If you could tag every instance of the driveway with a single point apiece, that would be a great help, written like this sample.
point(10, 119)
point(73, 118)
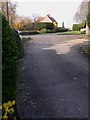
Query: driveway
point(54, 78)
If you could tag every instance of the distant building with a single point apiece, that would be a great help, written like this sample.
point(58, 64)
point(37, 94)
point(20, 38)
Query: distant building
point(47, 22)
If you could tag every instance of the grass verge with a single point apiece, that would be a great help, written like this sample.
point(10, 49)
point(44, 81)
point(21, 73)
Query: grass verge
point(71, 33)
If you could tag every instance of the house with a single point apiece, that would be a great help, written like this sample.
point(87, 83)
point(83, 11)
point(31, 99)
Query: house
point(47, 22)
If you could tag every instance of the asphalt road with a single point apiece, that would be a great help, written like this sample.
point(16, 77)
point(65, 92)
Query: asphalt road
point(54, 78)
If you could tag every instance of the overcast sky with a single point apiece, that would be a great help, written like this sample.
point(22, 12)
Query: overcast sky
point(60, 10)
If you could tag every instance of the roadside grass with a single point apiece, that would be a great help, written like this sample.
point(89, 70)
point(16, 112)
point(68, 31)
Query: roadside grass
point(71, 33)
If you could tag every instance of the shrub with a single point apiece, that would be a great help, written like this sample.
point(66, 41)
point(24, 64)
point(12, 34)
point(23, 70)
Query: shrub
point(9, 62)
point(44, 25)
point(44, 30)
point(49, 31)
point(40, 25)
point(77, 27)
point(19, 44)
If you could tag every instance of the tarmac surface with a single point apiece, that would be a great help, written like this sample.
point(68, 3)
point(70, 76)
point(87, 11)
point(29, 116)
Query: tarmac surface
point(53, 78)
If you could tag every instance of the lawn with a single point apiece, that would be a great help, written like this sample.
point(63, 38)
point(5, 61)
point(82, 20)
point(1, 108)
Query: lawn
point(71, 33)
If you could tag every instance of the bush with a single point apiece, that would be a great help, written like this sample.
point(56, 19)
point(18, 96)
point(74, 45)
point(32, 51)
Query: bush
point(44, 30)
point(49, 31)
point(19, 44)
point(77, 27)
point(40, 26)
point(9, 62)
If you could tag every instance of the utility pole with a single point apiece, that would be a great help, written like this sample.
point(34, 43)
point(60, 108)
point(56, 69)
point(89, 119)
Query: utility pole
point(7, 11)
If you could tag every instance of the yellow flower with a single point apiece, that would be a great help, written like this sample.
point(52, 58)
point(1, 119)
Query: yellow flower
point(9, 104)
point(5, 105)
point(8, 109)
point(11, 110)
point(13, 102)
point(0, 106)
point(5, 117)
point(15, 118)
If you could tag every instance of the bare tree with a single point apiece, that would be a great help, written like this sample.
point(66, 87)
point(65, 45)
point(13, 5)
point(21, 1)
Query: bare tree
point(12, 13)
point(3, 7)
point(26, 23)
point(35, 16)
point(8, 7)
point(82, 12)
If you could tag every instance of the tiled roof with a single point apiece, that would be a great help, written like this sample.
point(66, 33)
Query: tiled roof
point(40, 19)
point(46, 19)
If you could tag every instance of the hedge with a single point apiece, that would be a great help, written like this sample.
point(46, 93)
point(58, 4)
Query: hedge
point(9, 62)
point(19, 44)
point(77, 27)
point(44, 25)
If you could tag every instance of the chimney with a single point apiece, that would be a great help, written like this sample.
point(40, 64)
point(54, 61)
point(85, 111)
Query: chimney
point(62, 24)
point(48, 15)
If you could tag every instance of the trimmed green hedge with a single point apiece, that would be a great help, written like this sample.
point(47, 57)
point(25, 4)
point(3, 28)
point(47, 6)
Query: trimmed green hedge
point(77, 27)
point(19, 44)
point(44, 25)
point(9, 62)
